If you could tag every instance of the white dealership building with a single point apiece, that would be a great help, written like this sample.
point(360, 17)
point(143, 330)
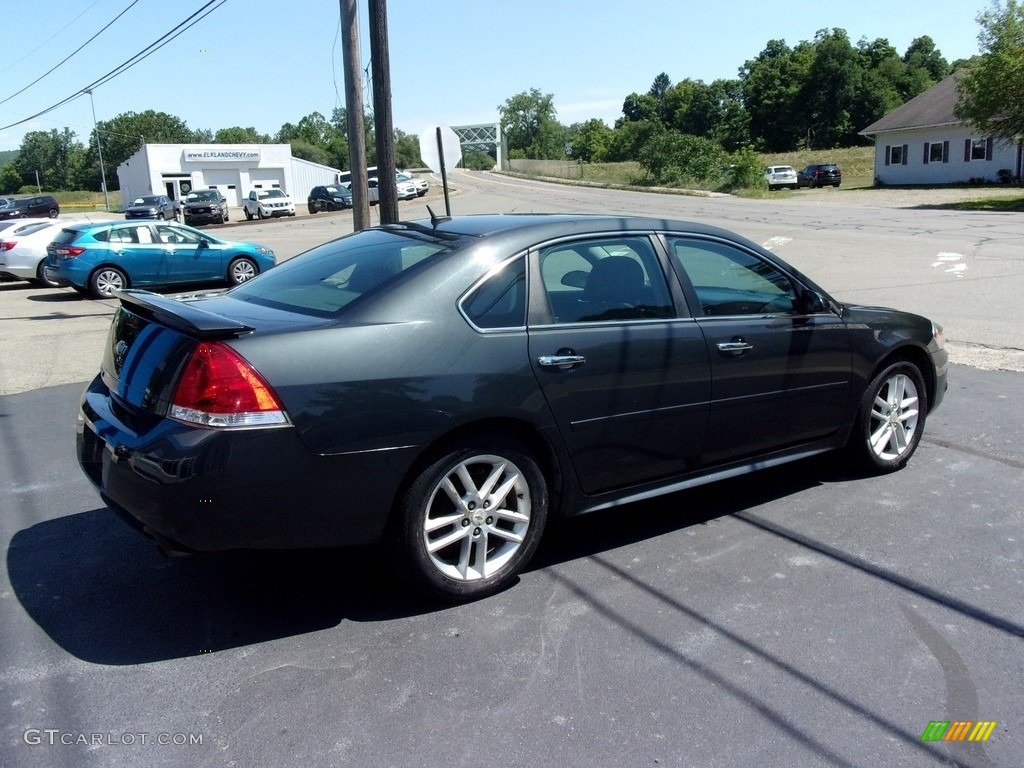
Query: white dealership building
point(233, 169)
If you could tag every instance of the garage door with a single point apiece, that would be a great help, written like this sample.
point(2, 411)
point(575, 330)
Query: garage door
point(225, 181)
point(266, 178)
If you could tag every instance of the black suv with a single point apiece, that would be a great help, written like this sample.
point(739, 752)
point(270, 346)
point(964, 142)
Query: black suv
point(205, 206)
point(40, 206)
point(820, 175)
point(332, 197)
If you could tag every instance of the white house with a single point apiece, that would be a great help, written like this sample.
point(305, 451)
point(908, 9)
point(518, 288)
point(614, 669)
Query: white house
point(924, 142)
point(234, 169)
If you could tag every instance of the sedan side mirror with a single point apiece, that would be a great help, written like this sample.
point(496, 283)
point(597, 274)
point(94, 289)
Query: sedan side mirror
point(811, 303)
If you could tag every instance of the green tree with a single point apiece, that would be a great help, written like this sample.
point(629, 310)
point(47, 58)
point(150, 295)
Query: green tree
point(922, 54)
point(407, 150)
point(10, 179)
point(771, 94)
point(639, 107)
point(992, 91)
point(55, 155)
point(123, 136)
point(311, 152)
point(830, 91)
point(630, 137)
point(531, 126)
point(238, 135)
point(590, 140)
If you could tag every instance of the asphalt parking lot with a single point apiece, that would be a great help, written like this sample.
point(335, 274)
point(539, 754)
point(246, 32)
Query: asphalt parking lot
point(802, 616)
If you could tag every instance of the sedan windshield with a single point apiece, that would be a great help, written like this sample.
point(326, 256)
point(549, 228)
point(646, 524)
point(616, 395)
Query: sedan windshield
point(326, 279)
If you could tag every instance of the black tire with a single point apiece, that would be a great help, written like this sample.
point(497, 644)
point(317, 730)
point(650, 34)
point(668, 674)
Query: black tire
point(242, 269)
point(53, 213)
point(248, 216)
point(890, 420)
point(226, 218)
point(41, 279)
point(499, 520)
point(259, 213)
point(312, 209)
point(105, 280)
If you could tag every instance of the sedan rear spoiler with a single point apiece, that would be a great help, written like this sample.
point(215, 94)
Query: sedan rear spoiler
point(181, 316)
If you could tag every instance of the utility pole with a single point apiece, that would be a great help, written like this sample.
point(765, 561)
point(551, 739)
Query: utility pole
point(385, 134)
point(354, 114)
point(99, 151)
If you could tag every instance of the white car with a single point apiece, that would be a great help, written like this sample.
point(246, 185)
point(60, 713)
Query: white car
point(406, 191)
point(23, 249)
point(781, 176)
point(267, 203)
point(421, 185)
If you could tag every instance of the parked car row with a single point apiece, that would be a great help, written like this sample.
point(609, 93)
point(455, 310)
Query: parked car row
point(815, 175)
point(336, 197)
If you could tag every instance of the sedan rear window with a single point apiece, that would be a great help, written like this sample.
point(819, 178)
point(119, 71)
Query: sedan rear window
point(323, 281)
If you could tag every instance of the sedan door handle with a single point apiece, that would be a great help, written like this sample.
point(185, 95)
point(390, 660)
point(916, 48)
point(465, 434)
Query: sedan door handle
point(734, 348)
point(562, 362)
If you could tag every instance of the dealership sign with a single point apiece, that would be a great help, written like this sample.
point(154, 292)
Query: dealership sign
point(220, 155)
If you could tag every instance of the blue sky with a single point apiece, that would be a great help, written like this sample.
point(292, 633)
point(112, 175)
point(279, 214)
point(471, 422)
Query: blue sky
point(262, 63)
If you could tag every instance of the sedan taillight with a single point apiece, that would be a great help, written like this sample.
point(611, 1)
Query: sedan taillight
point(219, 388)
point(7, 245)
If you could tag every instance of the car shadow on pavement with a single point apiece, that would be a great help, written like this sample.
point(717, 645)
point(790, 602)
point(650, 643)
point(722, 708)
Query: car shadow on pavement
point(104, 594)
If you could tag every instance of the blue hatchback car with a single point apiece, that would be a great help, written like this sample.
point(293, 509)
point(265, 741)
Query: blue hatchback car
point(103, 257)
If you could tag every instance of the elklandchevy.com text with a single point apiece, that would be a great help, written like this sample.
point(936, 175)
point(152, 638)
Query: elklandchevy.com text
point(56, 737)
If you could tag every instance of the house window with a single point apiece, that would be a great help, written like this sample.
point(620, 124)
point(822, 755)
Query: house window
point(896, 155)
point(978, 149)
point(935, 153)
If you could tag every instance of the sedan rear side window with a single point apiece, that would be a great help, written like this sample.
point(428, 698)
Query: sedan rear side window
point(604, 279)
point(332, 276)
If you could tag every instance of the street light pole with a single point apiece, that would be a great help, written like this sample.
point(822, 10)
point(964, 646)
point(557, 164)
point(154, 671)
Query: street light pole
point(99, 150)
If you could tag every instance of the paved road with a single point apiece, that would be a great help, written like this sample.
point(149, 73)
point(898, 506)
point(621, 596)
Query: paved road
point(808, 617)
point(805, 617)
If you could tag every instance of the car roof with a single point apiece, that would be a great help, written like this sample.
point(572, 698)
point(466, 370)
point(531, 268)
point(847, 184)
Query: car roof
point(539, 226)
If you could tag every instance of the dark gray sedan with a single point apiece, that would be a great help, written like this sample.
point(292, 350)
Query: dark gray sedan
point(448, 386)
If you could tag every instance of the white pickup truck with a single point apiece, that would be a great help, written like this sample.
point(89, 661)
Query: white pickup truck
point(267, 203)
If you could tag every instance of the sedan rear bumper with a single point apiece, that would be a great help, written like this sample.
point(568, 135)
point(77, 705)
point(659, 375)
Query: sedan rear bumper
point(195, 489)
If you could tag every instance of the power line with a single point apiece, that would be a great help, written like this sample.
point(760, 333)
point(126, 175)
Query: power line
point(44, 43)
point(150, 49)
point(105, 28)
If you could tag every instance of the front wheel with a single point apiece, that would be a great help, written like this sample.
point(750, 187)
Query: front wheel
point(471, 520)
point(312, 209)
point(259, 212)
point(242, 269)
point(105, 281)
point(891, 418)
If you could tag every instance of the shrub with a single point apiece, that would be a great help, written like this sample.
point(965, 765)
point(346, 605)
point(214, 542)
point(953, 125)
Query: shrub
point(746, 171)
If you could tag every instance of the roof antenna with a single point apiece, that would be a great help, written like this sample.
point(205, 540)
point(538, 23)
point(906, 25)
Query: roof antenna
point(435, 219)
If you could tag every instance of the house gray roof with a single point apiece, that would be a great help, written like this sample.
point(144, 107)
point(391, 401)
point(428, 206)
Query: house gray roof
point(929, 108)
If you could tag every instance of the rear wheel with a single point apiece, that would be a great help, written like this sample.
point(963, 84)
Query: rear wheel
point(891, 418)
point(53, 213)
point(42, 279)
point(312, 208)
point(105, 281)
point(242, 269)
point(471, 520)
